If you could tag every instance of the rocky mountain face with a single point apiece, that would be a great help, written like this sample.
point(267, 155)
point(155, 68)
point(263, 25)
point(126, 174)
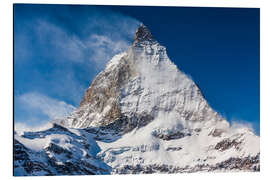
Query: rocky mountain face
point(141, 114)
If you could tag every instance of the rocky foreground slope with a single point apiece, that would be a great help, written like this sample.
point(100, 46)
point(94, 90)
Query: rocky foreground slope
point(141, 114)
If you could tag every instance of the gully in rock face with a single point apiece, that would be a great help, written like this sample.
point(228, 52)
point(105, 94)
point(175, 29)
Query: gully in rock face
point(138, 113)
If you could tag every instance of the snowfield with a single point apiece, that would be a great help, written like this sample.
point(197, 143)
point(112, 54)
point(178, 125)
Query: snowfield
point(141, 114)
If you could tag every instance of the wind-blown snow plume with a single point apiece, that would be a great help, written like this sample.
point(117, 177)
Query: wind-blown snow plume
point(142, 115)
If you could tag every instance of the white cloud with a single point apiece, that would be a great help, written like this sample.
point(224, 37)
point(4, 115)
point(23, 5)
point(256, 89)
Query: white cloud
point(241, 124)
point(51, 107)
point(59, 42)
point(106, 42)
point(63, 45)
point(20, 128)
point(104, 48)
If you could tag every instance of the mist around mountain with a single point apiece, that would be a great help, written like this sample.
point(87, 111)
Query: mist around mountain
point(141, 114)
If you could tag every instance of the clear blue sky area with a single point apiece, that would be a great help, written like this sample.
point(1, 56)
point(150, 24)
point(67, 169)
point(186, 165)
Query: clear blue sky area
point(60, 49)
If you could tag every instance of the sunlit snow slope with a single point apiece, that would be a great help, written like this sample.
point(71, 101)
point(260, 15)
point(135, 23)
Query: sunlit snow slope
point(144, 115)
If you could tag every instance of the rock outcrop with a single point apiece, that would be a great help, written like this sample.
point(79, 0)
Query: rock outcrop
point(141, 114)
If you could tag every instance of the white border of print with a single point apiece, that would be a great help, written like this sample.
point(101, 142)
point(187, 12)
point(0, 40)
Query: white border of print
point(6, 79)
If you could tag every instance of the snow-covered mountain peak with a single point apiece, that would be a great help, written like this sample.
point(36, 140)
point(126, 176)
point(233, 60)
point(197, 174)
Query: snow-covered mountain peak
point(141, 114)
point(140, 86)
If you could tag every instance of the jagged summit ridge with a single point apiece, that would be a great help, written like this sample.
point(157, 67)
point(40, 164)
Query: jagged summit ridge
point(143, 34)
point(141, 114)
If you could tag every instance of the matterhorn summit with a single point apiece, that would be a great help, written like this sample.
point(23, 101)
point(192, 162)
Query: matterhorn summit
point(143, 35)
point(141, 114)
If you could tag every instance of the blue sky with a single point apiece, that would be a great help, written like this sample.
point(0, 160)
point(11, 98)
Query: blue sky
point(59, 49)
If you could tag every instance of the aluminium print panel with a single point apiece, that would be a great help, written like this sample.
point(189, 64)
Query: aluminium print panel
point(135, 90)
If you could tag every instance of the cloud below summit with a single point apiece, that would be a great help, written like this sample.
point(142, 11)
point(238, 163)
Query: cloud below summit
point(48, 106)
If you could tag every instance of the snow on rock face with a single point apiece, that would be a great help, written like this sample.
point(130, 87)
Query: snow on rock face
point(57, 151)
point(141, 114)
point(138, 86)
point(167, 143)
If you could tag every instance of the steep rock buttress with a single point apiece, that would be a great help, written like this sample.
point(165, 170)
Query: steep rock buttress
point(141, 114)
